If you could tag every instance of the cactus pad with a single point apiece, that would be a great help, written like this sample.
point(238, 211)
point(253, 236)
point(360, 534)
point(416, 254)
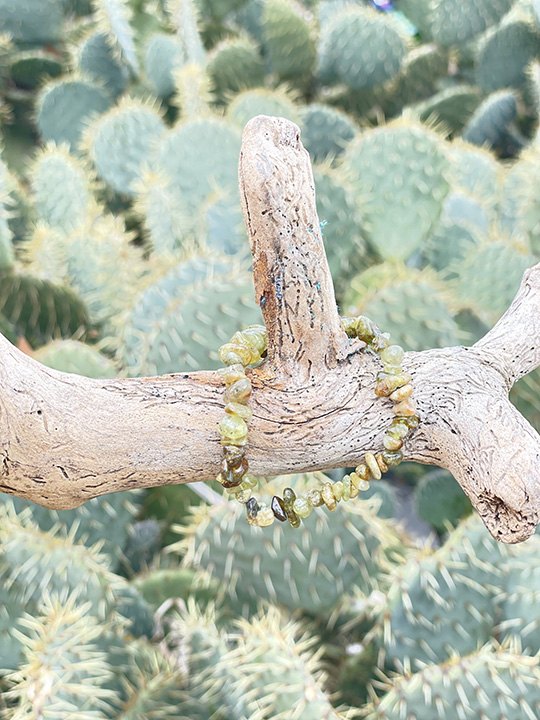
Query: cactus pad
point(325, 131)
point(163, 54)
point(97, 61)
point(235, 65)
point(410, 175)
point(65, 106)
point(362, 47)
point(491, 119)
point(75, 357)
point(248, 104)
point(121, 141)
point(31, 21)
point(440, 501)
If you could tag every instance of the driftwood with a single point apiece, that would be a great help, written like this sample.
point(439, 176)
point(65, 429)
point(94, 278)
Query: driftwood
point(66, 439)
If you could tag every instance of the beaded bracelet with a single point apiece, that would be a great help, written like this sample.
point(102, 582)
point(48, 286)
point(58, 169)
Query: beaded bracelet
point(247, 347)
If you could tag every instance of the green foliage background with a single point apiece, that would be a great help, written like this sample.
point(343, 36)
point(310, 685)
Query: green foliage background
point(123, 252)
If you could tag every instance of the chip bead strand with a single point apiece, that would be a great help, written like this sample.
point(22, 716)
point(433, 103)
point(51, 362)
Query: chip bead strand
point(247, 347)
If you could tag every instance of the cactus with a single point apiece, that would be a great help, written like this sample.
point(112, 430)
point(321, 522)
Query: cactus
point(361, 48)
point(465, 685)
point(476, 171)
point(63, 668)
point(452, 107)
point(319, 567)
point(326, 131)
point(31, 21)
point(414, 310)
point(113, 20)
point(440, 501)
point(103, 521)
point(340, 223)
point(163, 54)
point(192, 174)
point(121, 141)
point(234, 65)
point(505, 53)
point(39, 309)
point(75, 357)
point(96, 60)
point(287, 41)
point(180, 316)
point(61, 190)
point(250, 103)
point(7, 255)
point(447, 595)
point(491, 119)
point(64, 106)
point(420, 70)
point(30, 68)
point(520, 595)
point(448, 245)
point(454, 22)
point(411, 174)
point(488, 278)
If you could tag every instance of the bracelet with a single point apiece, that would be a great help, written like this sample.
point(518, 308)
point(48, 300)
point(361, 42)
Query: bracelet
point(247, 347)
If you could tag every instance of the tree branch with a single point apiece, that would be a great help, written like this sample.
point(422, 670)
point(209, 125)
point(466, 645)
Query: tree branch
point(66, 439)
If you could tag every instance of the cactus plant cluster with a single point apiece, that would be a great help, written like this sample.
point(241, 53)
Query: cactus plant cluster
point(123, 252)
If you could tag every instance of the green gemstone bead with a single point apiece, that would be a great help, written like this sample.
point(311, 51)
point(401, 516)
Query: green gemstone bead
point(413, 421)
point(289, 496)
point(301, 507)
point(232, 427)
point(380, 462)
point(349, 325)
point(398, 428)
point(337, 489)
point(234, 408)
point(314, 498)
point(232, 373)
point(364, 485)
point(391, 443)
point(405, 408)
point(373, 466)
point(265, 516)
point(365, 329)
point(392, 369)
point(380, 342)
point(328, 497)
point(278, 508)
point(402, 393)
point(392, 458)
point(386, 384)
point(250, 481)
point(362, 472)
point(252, 507)
point(393, 355)
point(346, 495)
point(257, 336)
point(238, 392)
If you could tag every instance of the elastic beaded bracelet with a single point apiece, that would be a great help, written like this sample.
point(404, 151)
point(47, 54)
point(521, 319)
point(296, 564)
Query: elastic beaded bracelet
point(247, 347)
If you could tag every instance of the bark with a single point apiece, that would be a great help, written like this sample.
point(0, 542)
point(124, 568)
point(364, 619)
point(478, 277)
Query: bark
point(66, 439)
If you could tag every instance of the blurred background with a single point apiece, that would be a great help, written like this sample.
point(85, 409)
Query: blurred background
point(123, 253)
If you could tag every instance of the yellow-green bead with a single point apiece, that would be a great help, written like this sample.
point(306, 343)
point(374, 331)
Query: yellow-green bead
point(371, 462)
point(379, 342)
point(265, 516)
point(393, 355)
point(243, 496)
point(392, 443)
point(346, 488)
point(234, 408)
point(257, 337)
point(232, 373)
point(364, 485)
point(405, 408)
point(349, 325)
point(250, 481)
point(328, 497)
point(314, 498)
point(337, 489)
point(365, 329)
point(302, 507)
point(386, 384)
point(402, 393)
point(239, 391)
point(362, 471)
point(380, 462)
point(355, 485)
point(232, 427)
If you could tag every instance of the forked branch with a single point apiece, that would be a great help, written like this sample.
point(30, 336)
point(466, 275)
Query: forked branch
point(66, 439)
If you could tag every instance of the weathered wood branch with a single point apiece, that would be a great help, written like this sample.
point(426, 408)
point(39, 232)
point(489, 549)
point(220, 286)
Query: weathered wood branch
point(66, 439)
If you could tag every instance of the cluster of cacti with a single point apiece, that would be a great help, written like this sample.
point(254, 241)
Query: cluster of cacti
point(123, 251)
